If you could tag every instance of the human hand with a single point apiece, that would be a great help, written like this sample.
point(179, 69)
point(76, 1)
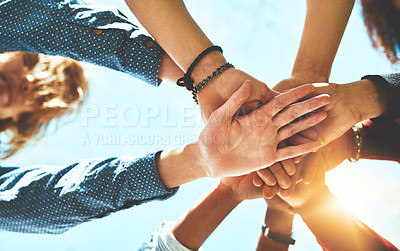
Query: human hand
point(298, 79)
point(221, 88)
point(302, 193)
point(244, 189)
point(334, 153)
point(232, 146)
point(351, 103)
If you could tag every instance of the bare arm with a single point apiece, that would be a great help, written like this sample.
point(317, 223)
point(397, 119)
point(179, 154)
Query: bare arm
point(169, 22)
point(323, 30)
point(206, 215)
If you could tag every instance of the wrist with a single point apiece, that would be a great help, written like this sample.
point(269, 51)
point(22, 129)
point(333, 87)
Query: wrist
point(181, 165)
point(168, 70)
point(366, 99)
point(228, 193)
point(207, 65)
point(351, 147)
point(279, 221)
point(319, 202)
point(310, 76)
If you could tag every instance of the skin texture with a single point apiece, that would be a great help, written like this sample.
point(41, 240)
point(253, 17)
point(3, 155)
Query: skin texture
point(15, 87)
point(350, 103)
point(182, 39)
point(221, 199)
point(247, 143)
point(227, 147)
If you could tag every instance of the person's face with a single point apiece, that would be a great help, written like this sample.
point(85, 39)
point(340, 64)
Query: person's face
point(15, 87)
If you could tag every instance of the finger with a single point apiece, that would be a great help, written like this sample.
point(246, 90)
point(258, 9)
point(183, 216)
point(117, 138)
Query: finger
point(284, 193)
point(270, 191)
point(281, 101)
point(294, 128)
point(289, 166)
point(299, 109)
point(238, 98)
point(257, 181)
point(298, 139)
point(293, 151)
point(310, 167)
point(295, 179)
point(281, 176)
point(266, 175)
point(298, 159)
point(310, 133)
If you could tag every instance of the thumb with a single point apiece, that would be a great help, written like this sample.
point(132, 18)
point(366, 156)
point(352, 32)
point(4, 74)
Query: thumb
point(238, 98)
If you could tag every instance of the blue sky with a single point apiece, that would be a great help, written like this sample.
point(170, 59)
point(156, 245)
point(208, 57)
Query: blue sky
point(124, 116)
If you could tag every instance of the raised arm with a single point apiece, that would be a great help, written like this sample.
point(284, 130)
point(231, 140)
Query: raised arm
point(53, 199)
point(323, 30)
point(206, 214)
point(169, 22)
point(91, 33)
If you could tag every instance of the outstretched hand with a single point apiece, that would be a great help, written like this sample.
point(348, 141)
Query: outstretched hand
point(233, 146)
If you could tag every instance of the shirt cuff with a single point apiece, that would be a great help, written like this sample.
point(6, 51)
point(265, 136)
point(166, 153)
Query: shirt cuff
point(144, 180)
point(164, 240)
point(390, 86)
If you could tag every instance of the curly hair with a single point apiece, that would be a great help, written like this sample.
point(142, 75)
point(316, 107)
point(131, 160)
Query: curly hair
point(60, 89)
point(382, 19)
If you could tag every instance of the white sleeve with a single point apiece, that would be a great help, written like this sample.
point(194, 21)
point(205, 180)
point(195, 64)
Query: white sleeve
point(164, 240)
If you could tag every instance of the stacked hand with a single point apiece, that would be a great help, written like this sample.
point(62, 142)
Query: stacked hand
point(233, 146)
point(217, 92)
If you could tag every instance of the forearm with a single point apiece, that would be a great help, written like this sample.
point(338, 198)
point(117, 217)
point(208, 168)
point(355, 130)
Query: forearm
point(205, 216)
point(168, 69)
point(181, 165)
point(365, 99)
point(330, 223)
point(52, 199)
point(89, 33)
point(169, 22)
point(335, 228)
point(323, 29)
point(277, 222)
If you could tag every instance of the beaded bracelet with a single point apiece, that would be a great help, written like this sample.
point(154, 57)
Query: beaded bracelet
point(205, 81)
point(359, 141)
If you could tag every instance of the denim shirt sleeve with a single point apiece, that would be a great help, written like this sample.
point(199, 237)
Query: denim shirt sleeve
point(53, 199)
point(97, 34)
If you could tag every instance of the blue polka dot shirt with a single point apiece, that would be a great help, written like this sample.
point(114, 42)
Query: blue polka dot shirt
point(97, 34)
point(52, 199)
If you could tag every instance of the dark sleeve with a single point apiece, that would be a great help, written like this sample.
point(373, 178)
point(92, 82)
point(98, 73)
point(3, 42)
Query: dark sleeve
point(53, 199)
point(390, 86)
point(381, 140)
